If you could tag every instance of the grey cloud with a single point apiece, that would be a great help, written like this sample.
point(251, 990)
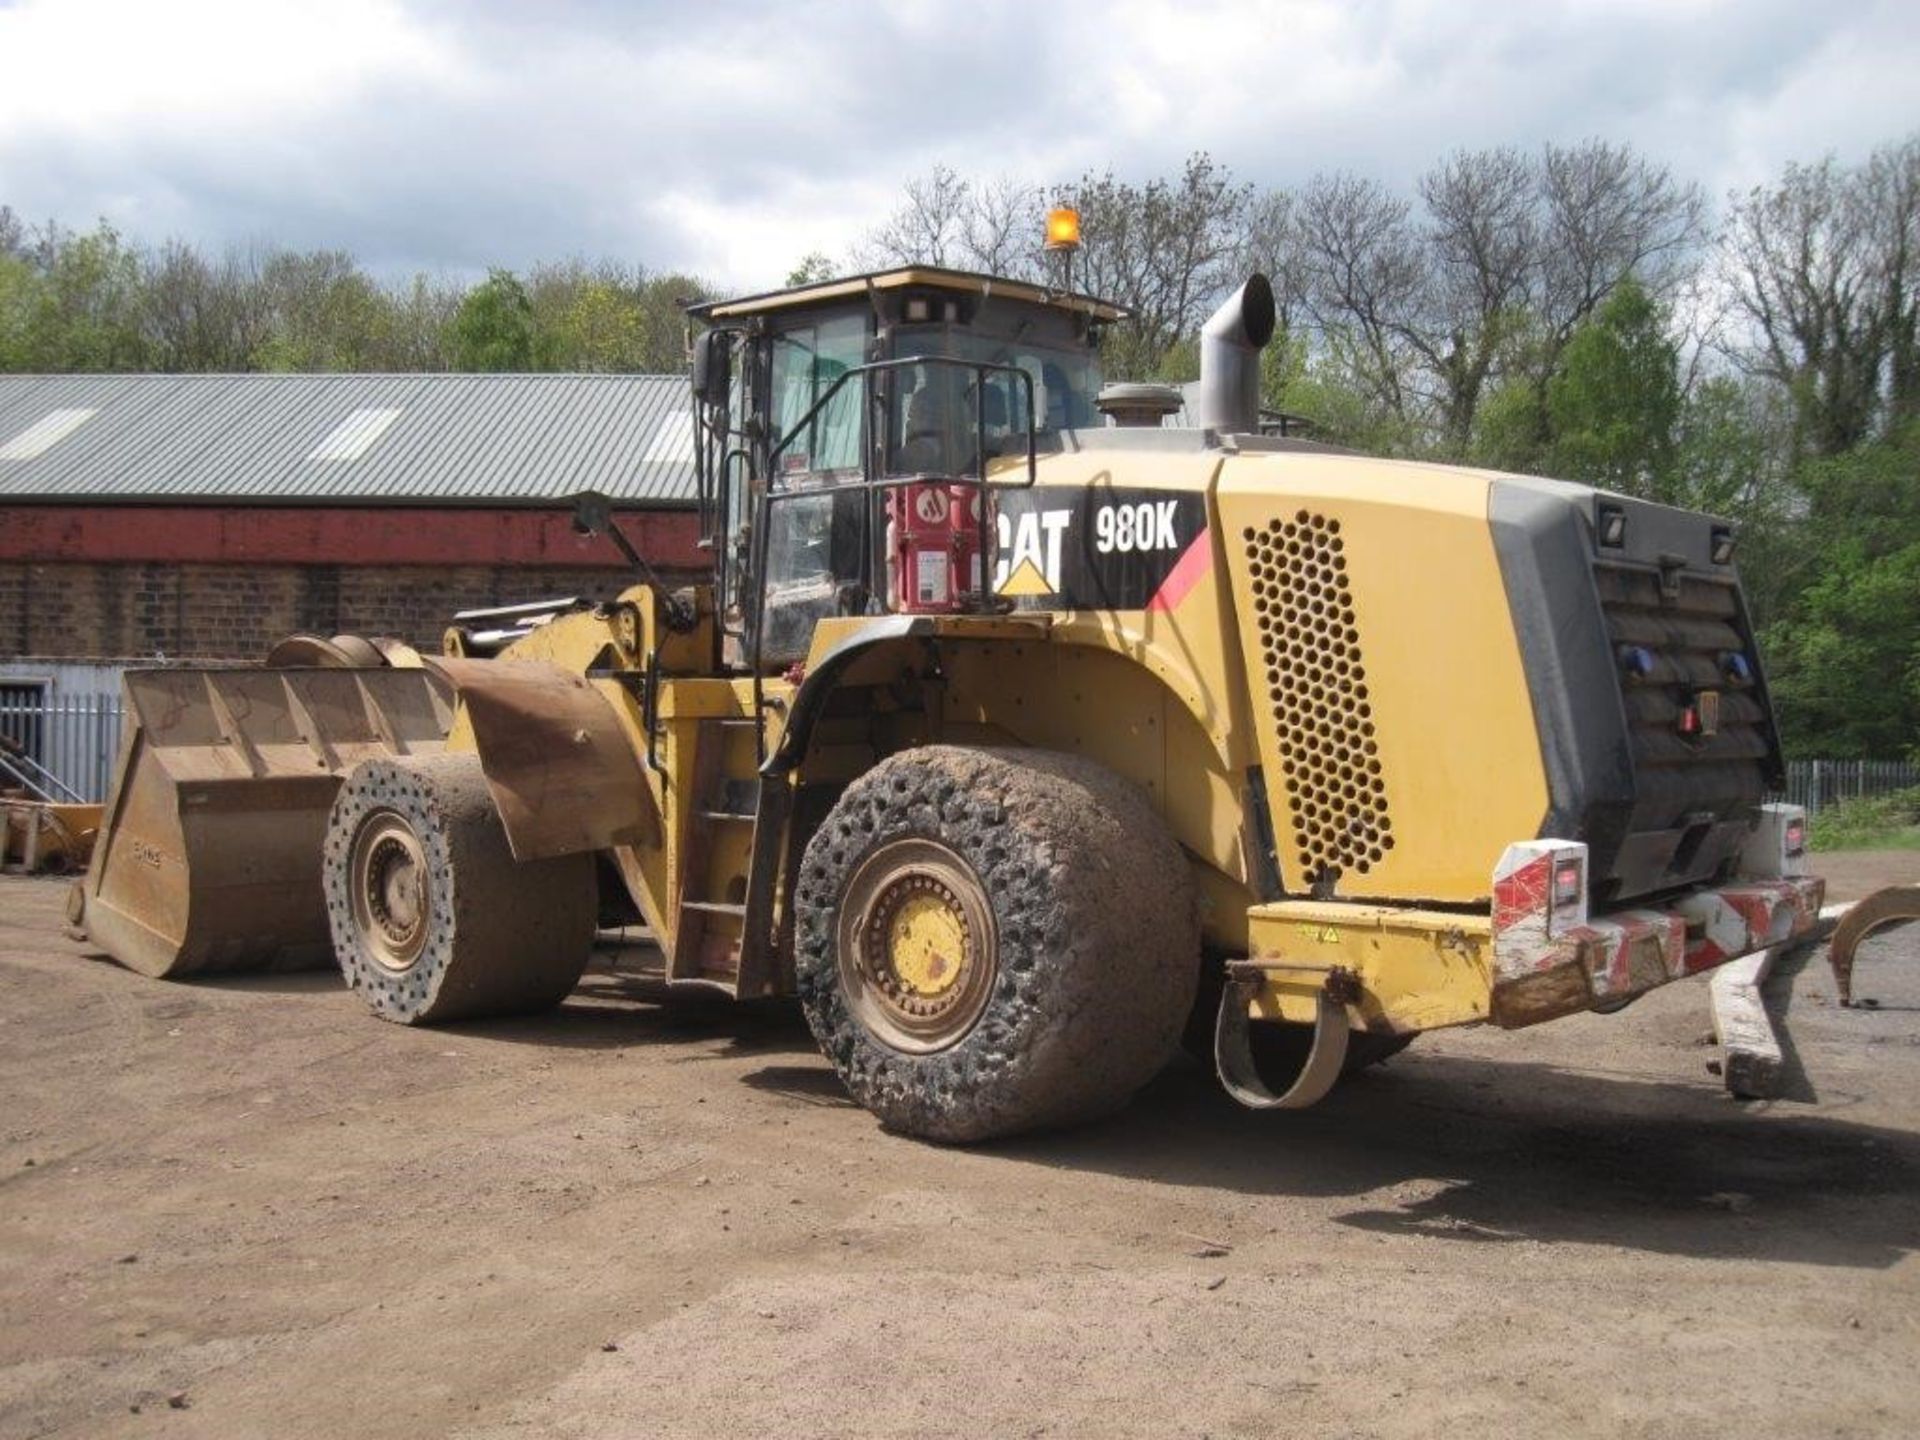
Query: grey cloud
point(568, 123)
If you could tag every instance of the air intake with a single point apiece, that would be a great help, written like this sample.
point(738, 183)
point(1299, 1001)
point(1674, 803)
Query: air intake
point(1317, 685)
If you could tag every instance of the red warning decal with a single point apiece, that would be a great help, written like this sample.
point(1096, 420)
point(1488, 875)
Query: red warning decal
point(1194, 562)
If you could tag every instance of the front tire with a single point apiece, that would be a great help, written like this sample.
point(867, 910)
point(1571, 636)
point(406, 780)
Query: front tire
point(993, 941)
point(432, 918)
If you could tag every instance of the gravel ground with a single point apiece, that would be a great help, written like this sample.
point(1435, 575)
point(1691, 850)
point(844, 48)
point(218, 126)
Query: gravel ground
point(246, 1208)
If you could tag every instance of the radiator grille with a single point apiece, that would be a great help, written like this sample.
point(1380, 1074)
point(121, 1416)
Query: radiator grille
point(1317, 686)
point(1671, 644)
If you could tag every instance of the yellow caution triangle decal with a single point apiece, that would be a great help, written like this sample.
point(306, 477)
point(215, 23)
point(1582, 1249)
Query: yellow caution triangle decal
point(1026, 580)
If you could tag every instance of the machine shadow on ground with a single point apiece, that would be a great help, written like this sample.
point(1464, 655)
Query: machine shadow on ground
point(1491, 1151)
point(1530, 1152)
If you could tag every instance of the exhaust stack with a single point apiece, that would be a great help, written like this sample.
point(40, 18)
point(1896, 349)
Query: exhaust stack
point(1230, 346)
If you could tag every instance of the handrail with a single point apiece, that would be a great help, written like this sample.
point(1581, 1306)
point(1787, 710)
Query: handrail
point(37, 778)
point(869, 483)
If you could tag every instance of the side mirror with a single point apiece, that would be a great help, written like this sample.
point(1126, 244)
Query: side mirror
point(712, 367)
point(592, 513)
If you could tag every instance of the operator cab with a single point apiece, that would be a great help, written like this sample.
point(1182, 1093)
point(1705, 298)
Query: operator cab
point(848, 435)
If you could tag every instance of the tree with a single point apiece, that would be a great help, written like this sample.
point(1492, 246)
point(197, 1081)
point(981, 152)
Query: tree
point(420, 320)
point(82, 311)
point(1004, 229)
point(1482, 250)
point(992, 226)
point(198, 316)
point(1608, 214)
point(1614, 404)
point(814, 267)
point(1166, 250)
point(493, 328)
point(323, 314)
point(929, 228)
point(1825, 269)
point(1846, 665)
point(1360, 278)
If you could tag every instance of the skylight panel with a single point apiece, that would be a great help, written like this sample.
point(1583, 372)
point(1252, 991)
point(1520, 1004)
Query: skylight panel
point(673, 441)
point(354, 436)
point(45, 433)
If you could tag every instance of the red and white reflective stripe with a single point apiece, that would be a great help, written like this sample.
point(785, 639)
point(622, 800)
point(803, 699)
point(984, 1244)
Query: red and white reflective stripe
point(1748, 917)
point(1610, 944)
point(1530, 932)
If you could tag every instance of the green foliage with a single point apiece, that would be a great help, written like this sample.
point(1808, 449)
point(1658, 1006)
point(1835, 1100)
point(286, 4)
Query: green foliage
point(1846, 660)
point(323, 313)
point(493, 328)
point(813, 268)
point(1511, 429)
point(1613, 406)
point(606, 318)
point(1341, 413)
point(18, 285)
point(82, 308)
point(81, 302)
point(1874, 822)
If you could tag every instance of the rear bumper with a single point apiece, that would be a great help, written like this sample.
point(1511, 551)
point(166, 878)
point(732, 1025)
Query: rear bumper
point(1545, 967)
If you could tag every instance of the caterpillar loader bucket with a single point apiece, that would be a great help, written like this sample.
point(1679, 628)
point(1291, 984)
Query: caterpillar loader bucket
point(208, 857)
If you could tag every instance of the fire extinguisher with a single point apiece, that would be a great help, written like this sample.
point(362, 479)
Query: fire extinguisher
point(933, 546)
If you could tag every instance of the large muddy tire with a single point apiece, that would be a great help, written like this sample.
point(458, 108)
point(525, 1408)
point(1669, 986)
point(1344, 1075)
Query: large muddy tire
point(432, 917)
point(993, 941)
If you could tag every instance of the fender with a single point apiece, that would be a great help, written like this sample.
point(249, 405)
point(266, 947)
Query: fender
point(811, 698)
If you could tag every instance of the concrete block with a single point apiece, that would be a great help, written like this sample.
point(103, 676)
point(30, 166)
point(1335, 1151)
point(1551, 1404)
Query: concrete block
point(1751, 1064)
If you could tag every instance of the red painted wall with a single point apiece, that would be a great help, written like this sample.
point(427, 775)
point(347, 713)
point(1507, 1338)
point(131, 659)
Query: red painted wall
point(370, 535)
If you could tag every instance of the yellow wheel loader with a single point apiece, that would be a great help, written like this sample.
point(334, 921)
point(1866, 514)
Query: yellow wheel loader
point(1013, 743)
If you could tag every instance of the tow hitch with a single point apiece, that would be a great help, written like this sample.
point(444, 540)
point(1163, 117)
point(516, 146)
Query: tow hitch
point(1232, 1041)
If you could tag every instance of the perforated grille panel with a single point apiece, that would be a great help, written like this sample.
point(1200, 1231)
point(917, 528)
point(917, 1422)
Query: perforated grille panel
point(1316, 683)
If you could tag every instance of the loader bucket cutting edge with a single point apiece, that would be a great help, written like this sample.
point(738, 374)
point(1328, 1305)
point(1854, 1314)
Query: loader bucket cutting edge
point(208, 857)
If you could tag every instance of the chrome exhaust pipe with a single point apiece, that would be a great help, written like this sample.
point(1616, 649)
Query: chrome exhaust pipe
point(1230, 346)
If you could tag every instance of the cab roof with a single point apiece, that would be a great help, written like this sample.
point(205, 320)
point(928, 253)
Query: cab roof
point(930, 277)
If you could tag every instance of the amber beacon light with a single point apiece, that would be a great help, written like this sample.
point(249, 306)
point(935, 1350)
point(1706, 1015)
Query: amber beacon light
point(1063, 229)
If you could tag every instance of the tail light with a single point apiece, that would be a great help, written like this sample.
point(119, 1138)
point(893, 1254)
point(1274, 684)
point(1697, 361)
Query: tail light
point(1569, 883)
point(1778, 846)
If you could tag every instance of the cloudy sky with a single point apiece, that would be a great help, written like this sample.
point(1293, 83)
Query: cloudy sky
point(733, 137)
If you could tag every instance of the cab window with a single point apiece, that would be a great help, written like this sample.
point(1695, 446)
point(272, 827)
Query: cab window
point(807, 360)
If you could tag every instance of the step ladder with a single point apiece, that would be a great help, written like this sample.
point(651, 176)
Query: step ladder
point(729, 863)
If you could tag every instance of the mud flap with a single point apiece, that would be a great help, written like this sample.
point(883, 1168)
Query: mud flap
point(1233, 1050)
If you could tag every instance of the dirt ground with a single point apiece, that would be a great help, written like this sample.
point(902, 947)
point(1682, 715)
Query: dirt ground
point(634, 1220)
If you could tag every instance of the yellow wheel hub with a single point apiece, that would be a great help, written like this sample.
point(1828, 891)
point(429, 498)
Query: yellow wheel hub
point(927, 944)
point(919, 954)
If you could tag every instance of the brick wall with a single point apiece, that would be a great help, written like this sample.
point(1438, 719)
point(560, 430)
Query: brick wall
point(83, 610)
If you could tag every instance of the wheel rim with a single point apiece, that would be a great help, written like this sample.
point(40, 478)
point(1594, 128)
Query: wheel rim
point(917, 948)
point(388, 871)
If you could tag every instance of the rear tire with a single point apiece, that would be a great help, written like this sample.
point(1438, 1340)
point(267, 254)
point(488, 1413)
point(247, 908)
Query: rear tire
point(993, 941)
point(432, 918)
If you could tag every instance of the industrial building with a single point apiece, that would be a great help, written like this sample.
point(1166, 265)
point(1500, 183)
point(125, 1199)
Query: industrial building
point(160, 518)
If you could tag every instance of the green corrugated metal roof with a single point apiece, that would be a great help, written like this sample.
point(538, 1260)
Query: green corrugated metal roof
point(447, 439)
